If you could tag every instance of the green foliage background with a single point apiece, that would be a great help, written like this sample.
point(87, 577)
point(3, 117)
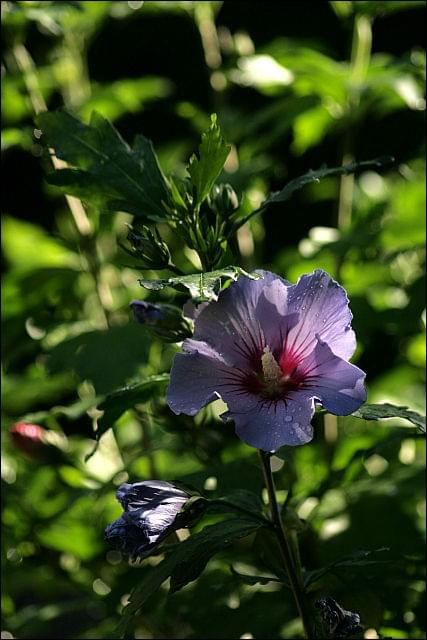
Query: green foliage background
point(295, 85)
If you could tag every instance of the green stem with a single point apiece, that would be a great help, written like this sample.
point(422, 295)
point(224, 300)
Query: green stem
point(359, 65)
point(144, 420)
point(28, 69)
point(293, 574)
point(241, 221)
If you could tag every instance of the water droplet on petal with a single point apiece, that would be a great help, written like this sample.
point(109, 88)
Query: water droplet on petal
point(296, 425)
point(288, 418)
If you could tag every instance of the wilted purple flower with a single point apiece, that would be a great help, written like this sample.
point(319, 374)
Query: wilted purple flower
point(271, 350)
point(151, 512)
point(335, 622)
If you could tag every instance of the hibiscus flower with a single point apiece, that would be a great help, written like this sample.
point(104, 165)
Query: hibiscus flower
point(271, 350)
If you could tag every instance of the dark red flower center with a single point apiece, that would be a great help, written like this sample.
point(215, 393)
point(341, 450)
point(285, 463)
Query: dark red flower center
point(275, 378)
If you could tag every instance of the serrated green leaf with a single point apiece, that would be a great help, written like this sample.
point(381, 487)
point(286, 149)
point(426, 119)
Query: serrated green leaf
point(386, 410)
point(202, 286)
point(116, 403)
point(203, 171)
point(316, 176)
point(106, 172)
point(187, 560)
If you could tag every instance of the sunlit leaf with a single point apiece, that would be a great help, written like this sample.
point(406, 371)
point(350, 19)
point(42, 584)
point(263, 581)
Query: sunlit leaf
point(27, 246)
point(204, 170)
point(386, 410)
point(125, 95)
point(201, 286)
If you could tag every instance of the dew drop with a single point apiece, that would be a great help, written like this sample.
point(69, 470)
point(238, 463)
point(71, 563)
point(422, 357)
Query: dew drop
point(288, 418)
point(296, 425)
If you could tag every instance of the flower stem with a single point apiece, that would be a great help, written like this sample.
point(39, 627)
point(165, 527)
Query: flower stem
point(292, 571)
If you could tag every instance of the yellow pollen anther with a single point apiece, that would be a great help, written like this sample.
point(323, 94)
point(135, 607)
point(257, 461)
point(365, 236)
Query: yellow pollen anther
point(270, 368)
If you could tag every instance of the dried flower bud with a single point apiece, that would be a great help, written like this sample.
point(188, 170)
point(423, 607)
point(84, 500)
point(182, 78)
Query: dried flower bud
point(165, 321)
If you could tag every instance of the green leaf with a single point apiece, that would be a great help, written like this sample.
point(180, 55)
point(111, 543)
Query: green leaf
point(202, 286)
point(187, 560)
point(203, 171)
point(28, 247)
point(107, 173)
point(113, 99)
point(386, 410)
point(108, 358)
point(116, 403)
point(70, 413)
point(384, 8)
point(252, 580)
point(113, 405)
point(241, 500)
point(201, 547)
point(357, 559)
point(316, 176)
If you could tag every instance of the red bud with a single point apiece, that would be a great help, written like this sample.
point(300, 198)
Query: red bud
point(29, 438)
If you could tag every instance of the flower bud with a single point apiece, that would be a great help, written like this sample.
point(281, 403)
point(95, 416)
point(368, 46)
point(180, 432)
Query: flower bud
point(45, 445)
point(223, 200)
point(165, 321)
point(148, 247)
point(29, 438)
point(152, 510)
